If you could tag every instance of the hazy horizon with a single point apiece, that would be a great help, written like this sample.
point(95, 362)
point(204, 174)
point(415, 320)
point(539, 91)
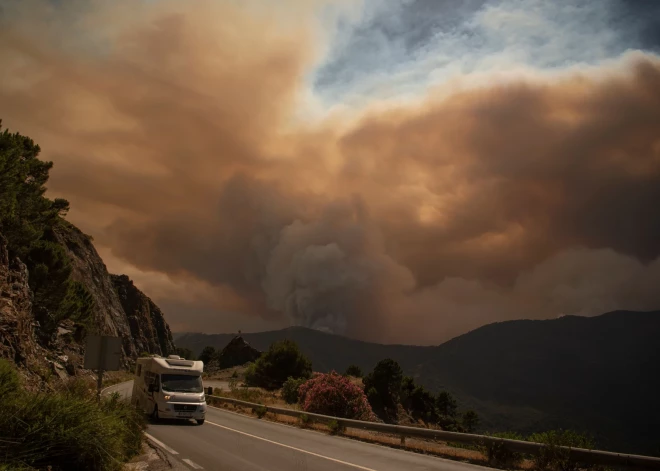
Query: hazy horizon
point(180, 333)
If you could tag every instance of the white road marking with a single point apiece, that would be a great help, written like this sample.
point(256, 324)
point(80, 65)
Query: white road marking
point(161, 444)
point(191, 464)
point(293, 448)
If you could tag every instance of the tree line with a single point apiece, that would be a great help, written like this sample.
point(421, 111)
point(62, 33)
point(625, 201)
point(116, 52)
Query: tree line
point(387, 390)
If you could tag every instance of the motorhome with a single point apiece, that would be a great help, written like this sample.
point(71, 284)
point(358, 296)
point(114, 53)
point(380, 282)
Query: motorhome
point(169, 388)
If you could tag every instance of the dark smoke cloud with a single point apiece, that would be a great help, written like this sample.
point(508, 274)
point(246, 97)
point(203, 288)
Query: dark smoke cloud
point(176, 144)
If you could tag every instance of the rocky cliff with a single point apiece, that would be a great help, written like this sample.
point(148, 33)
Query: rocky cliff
point(17, 341)
point(89, 269)
point(149, 331)
point(119, 309)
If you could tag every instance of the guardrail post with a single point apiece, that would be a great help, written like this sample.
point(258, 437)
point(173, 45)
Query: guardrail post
point(403, 440)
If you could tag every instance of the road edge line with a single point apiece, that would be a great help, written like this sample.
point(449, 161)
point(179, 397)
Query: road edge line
point(113, 385)
point(191, 463)
point(161, 444)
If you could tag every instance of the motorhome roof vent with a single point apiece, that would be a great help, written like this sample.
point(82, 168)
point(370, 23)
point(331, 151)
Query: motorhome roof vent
point(175, 357)
point(180, 362)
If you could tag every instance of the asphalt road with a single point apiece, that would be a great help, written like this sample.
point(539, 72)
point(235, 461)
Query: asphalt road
point(232, 442)
point(125, 390)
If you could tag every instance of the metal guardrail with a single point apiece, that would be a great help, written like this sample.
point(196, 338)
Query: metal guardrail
point(577, 454)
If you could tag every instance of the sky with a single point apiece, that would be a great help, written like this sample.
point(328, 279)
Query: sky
point(398, 171)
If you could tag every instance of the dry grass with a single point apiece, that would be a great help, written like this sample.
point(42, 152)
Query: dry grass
point(255, 395)
point(226, 374)
point(429, 447)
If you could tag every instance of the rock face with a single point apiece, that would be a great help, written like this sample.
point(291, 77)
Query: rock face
point(17, 338)
point(120, 309)
point(237, 352)
point(89, 269)
point(149, 331)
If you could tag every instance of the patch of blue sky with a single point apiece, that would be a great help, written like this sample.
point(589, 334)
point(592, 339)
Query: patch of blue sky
point(399, 48)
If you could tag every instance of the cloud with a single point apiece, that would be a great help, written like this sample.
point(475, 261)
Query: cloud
point(583, 282)
point(399, 48)
point(179, 137)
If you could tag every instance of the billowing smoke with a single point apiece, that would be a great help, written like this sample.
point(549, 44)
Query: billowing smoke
point(334, 272)
point(177, 136)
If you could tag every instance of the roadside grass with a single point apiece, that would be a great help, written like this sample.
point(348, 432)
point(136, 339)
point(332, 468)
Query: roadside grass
point(65, 429)
point(226, 374)
point(255, 395)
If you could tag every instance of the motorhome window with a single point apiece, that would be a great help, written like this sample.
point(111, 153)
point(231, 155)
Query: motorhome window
point(181, 383)
point(139, 370)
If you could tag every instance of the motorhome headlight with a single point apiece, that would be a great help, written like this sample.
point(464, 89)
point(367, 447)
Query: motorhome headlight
point(167, 397)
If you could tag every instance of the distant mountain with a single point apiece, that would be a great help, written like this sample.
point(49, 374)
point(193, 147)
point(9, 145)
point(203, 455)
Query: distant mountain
point(598, 374)
point(327, 351)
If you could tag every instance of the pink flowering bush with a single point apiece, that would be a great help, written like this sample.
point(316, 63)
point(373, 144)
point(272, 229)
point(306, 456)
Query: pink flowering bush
point(335, 395)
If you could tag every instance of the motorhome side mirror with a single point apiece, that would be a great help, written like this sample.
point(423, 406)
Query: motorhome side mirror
point(153, 388)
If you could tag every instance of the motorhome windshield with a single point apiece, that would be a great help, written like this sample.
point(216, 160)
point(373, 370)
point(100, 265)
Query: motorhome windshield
point(181, 383)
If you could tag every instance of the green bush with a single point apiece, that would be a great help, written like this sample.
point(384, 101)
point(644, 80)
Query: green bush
point(422, 404)
point(336, 428)
point(500, 456)
point(208, 353)
point(446, 404)
point(470, 421)
point(282, 360)
point(260, 411)
point(290, 388)
point(305, 420)
point(385, 380)
point(552, 457)
point(66, 429)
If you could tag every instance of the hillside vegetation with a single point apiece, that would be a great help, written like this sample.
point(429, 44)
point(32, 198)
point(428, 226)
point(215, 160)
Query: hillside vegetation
point(595, 375)
point(29, 221)
point(66, 429)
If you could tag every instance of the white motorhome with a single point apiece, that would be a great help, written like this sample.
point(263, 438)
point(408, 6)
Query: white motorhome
point(169, 388)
